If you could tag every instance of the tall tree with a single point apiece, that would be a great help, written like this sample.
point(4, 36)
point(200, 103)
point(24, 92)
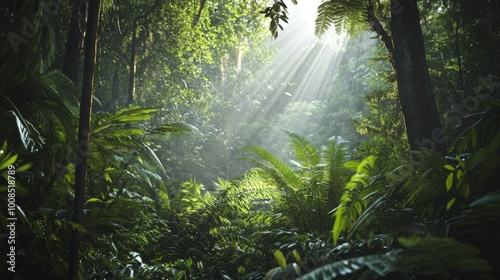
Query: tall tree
point(133, 51)
point(414, 84)
point(406, 50)
point(83, 135)
point(75, 40)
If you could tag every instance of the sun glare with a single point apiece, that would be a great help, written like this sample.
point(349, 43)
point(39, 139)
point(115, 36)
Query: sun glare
point(302, 66)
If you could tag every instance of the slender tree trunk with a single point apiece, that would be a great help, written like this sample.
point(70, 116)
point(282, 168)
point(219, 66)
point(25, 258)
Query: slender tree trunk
point(83, 136)
point(423, 126)
point(114, 87)
point(75, 40)
point(133, 51)
point(131, 77)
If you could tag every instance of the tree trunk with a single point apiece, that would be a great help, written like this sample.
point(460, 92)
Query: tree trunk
point(114, 87)
point(75, 40)
point(133, 51)
point(83, 136)
point(423, 126)
point(131, 77)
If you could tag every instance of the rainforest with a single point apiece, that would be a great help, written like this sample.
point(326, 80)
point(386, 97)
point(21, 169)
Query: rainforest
point(250, 139)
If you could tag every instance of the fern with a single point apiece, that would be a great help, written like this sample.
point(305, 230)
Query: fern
point(444, 258)
point(279, 171)
point(333, 157)
point(439, 258)
point(353, 200)
point(381, 265)
point(306, 154)
point(479, 222)
point(342, 14)
point(326, 17)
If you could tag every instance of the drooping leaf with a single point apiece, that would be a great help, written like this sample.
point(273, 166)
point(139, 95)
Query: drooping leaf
point(28, 134)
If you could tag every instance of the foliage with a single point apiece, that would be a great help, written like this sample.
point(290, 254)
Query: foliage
point(315, 182)
point(336, 12)
point(149, 212)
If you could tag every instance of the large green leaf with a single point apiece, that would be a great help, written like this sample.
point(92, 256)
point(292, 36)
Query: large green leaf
point(28, 134)
point(173, 128)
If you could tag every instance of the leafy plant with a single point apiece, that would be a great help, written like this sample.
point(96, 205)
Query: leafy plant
point(314, 181)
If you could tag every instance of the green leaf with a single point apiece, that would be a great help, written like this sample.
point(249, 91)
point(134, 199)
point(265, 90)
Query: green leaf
point(297, 257)
point(283, 174)
point(173, 128)
point(325, 18)
point(449, 167)
point(152, 157)
point(449, 182)
point(352, 165)
point(305, 152)
point(93, 199)
point(24, 167)
point(338, 225)
point(382, 265)
point(273, 272)
point(450, 204)
point(8, 160)
point(30, 137)
point(358, 207)
point(280, 258)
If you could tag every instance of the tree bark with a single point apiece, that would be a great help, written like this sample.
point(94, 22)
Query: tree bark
point(75, 40)
point(133, 52)
point(114, 87)
point(83, 136)
point(131, 77)
point(415, 91)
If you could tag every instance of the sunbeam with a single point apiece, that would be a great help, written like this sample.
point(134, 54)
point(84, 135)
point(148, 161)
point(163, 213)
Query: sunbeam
point(300, 71)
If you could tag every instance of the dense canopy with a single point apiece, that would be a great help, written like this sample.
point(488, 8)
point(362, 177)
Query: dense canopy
point(250, 139)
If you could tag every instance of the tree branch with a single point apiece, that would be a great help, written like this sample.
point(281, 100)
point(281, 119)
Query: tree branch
point(384, 36)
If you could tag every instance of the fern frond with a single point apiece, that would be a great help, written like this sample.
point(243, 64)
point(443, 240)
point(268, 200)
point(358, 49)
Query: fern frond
point(278, 170)
point(380, 264)
point(340, 14)
point(334, 157)
point(479, 222)
point(305, 152)
point(444, 258)
point(326, 17)
point(354, 199)
point(438, 258)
